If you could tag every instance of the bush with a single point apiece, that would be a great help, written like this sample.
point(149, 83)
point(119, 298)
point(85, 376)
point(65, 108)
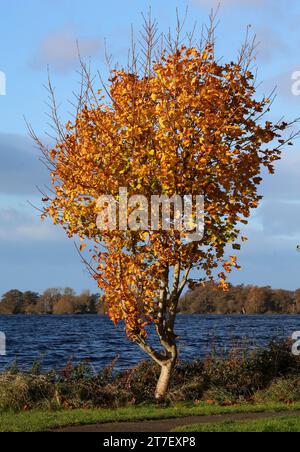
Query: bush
point(269, 374)
point(286, 390)
point(244, 375)
point(190, 391)
point(23, 391)
point(222, 397)
point(140, 382)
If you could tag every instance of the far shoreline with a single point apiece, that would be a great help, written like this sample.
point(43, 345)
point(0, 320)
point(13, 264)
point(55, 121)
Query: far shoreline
point(207, 314)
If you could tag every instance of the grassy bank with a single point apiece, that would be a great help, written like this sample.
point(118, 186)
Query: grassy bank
point(263, 380)
point(40, 421)
point(287, 424)
point(269, 375)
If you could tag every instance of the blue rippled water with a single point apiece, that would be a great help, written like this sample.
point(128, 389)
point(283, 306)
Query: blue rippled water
point(56, 339)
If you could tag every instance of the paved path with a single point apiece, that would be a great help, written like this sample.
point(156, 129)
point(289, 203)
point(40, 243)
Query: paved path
point(166, 425)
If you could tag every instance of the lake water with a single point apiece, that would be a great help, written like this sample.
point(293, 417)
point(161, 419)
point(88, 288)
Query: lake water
point(56, 339)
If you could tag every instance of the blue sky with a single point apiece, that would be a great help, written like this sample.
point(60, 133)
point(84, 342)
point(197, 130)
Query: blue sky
point(37, 33)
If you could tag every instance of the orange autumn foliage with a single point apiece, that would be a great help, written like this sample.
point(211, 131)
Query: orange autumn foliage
point(193, 115)
point(187, 125)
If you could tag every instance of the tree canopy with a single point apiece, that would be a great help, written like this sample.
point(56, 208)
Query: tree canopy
point(177, 121)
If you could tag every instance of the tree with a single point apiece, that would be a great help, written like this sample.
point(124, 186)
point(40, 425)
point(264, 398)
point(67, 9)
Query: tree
point(48, 300)
point(59, 301)
point(63, 306)
point(176, 122)
point(296, 307)
point(256, 301)
point(87, 303)
point(30, 300)
point(12, 302)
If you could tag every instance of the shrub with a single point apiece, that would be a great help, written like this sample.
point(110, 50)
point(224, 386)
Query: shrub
point(269, 374)
point(140, 382)
point(242, 375)
point(23, 391)
point(190, 391)
point(222, 397)
point(286, 390)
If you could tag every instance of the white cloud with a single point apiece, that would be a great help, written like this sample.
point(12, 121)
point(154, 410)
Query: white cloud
point(19, 226)
point(60, 50)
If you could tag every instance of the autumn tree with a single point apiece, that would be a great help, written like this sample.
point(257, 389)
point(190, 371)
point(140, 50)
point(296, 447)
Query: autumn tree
point(48, 300)
point(296, 306)
point(12, 302)
point(175, 121)
point(30, 300)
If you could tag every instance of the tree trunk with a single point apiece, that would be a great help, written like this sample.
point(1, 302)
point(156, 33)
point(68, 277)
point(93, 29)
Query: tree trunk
point(164, 379)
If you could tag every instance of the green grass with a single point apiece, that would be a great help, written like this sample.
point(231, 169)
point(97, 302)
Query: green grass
point(288, 424)
point(39, 421)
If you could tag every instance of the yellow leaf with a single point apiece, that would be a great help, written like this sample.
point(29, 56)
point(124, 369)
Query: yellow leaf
point(82, 246)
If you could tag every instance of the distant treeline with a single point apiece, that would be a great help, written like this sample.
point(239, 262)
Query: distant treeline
point(52, 301)
point(240, 300)
point(202, 300)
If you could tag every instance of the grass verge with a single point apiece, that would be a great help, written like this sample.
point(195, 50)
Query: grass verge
point(288, 424)
point(40, 421)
